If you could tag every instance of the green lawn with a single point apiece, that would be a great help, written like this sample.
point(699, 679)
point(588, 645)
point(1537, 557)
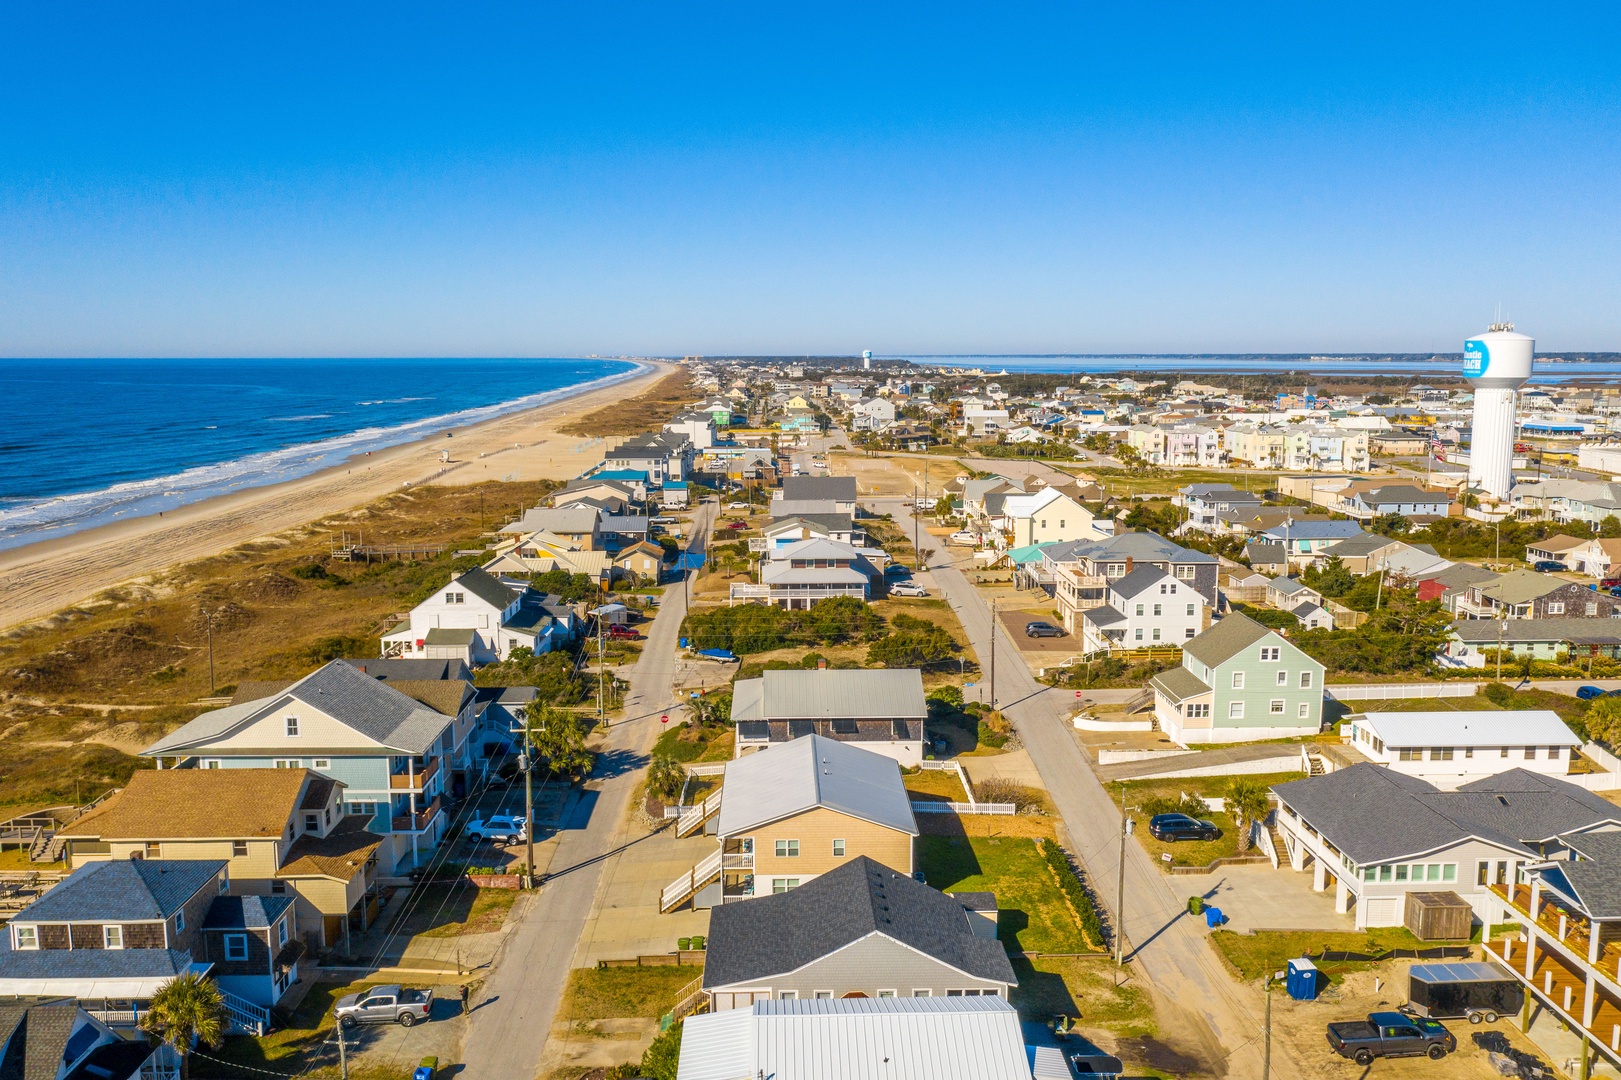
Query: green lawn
point(603, 993)
point(467, 909)
point(1253, 955)
point(1034, 916)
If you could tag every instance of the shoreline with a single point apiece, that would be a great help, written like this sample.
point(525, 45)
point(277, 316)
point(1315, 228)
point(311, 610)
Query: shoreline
point(40, 579)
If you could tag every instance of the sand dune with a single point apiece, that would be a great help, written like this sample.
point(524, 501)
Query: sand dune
point(41, 579)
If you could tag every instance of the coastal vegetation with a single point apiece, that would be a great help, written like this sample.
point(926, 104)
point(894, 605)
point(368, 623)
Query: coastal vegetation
point(644, 412)
point(83, 691)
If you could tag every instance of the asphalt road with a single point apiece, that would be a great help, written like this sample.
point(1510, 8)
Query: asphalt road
point(513, 1015)
point(1203, 1011)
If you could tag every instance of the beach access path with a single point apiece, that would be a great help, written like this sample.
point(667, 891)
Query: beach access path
point(1202, 1010)
point(513, 1015)
point(41, 579)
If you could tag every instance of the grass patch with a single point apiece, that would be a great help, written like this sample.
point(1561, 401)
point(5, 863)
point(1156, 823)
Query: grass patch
point(467, 909)
point(938, 783)
point(1188, 852)
point(1050, 985)
point(1034, 916)
point(16, 859)
point(612, 993)
point(1253, 955)
point(644, 412)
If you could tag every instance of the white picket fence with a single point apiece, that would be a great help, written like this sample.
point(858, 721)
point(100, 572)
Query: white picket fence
point(1398, 691)
point(964, 808)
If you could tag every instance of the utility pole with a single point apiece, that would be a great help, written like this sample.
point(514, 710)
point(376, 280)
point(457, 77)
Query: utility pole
point(343, 1054)
point(210, 616)
point(527, 763)
point(993, 654)
point(1499, 642)
point(1266, 1056)
point(1120, 888)
point(917, 552)
point(602, 671)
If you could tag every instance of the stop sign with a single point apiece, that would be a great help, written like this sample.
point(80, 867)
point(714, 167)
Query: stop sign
point(1077, 693)
point(665, 719)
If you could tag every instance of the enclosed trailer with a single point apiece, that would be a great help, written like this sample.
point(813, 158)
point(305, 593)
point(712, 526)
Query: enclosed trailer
point(1473, 990)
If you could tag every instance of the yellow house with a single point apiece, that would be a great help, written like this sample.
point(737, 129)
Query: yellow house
point(792, 812)
point(280, 830)
point(798, 402)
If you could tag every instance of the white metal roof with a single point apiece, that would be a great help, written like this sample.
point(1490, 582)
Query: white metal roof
point(1513, 727)
point(841, 692)
point(792, 777)
point(959, 1038)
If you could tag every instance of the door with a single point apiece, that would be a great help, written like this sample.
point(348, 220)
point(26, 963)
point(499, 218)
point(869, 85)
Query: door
point(1402, 1039)
point(1383, 910)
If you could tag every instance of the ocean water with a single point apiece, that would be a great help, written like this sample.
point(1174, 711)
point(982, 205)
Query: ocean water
point(87, 442)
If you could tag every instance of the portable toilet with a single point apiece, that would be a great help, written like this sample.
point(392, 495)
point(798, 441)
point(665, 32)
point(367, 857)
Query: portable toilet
point(1301, 980)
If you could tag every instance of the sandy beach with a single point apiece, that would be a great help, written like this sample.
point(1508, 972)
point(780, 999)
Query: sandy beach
point(41, 579)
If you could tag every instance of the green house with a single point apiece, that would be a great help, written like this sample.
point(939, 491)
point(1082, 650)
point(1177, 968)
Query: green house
point(1239, 682)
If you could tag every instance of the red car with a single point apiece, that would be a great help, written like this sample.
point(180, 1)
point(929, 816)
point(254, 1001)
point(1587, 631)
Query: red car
point(736, 525)
point(623, 633)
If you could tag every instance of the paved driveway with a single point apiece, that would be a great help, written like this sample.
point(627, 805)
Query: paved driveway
point(1201, 1008)
point(513, 1015)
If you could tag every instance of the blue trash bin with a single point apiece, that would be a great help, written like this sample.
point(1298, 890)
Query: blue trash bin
point(422, 1073)
point(682, 642)
point(1301, 980)
point(1213, 917)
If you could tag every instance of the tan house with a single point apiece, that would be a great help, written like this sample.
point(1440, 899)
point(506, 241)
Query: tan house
point(792, 812)
point(281, 831)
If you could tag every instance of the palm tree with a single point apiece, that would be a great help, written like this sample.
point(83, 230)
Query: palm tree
point(188, 1007)
point(1248, 802)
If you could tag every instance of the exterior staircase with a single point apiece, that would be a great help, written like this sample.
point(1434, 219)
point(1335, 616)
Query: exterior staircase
point(678, 891)
point(245, 1017)
point(1141, 701)
point(1311, 762)
point(693, 817)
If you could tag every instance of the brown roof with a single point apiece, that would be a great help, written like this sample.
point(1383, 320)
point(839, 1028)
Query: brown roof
point(255, 689)
point(339, 854)
point(194, 804)
point(441, 695)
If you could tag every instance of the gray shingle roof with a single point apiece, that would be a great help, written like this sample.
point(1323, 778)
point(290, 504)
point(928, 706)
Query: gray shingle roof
point(413, 670)
point(38, 1040)
point(836, 488)
point(1139, 580)
point(810, 771)
point(85, 964)
point(1485, 631)
point(484, 586)
point(1595, 879)
point(1226, 639)
point(123, 890)
point(245, 912)
point(368, 706)
point(1179, 684)
point(1103, 616)
point(1376, 815)
point(772, 935)
point(1141, 546)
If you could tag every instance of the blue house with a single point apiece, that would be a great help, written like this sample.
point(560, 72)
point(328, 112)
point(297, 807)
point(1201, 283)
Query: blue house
point(392, 743)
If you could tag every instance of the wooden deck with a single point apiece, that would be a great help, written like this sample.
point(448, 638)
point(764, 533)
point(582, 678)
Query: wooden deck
point(1563, 925)
point(1563, 986)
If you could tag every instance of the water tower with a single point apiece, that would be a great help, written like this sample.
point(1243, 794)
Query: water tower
point(1496, 363)
point(866, 360)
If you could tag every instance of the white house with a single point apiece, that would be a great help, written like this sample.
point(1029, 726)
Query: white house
point(477, 618)
point(1147, 607)
point(1050, 516)
point(870, 414)
point(1449, 749)
point(698, 427)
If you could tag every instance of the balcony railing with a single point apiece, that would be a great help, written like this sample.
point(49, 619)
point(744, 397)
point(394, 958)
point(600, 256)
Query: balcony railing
point(1568, 928)
point(403, 781)
point(418, 822)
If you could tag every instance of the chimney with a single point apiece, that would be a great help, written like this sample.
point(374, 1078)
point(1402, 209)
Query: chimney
point(821, 665)
point(1129, 561)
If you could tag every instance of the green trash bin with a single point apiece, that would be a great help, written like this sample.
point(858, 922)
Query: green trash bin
point(683, 944)
point(698, 943)
point(1195, 905)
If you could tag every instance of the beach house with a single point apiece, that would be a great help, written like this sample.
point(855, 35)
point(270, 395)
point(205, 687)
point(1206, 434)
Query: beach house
point(1239, 682)
point(876, 710)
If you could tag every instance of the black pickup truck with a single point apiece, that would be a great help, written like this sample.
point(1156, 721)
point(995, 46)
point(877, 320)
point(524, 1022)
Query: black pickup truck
point(1390, 1034)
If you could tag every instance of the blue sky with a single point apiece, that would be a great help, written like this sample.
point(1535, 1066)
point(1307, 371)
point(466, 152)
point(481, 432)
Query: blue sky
point(317, 179)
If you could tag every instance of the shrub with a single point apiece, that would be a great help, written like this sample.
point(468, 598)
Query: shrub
point(665, 777)
point(659, 1061)
point(999, 789)
point(1191, 805)
point(1073, 889)
point(1499, 694)
point(945, 698)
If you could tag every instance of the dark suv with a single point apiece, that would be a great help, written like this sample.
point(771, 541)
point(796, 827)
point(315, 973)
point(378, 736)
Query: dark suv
point(1170, 828)
point(1042, 629)
point(1547, 566)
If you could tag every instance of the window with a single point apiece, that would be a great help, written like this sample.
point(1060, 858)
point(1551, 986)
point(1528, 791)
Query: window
point(1304, 711)
point(322, 763)
point(455, 598)
point(312, 823)
point(1139, 609)
point(236, 946)
point(1449, 872)
point(783, 884)
point(279, 888)
point(153, 849)
point(1553, 753)
point(1556, 607)
point(112, 936)
point(1384, 873)
point(1137, 635)
point(787, 995)
point(1184, 573)
point(326, 816)
point(823, 995)
point(1305, 680)
point(180, 921)
point(1503, 753)
point(1271, 653)
point(1156, 633)
point(838, 848)
point(281, 932)
point(1159, 609)
point(1592, 609)
point(239, 848)
point(1409, 753)
point(1187, 635)
point(27, 937)
point(787, 849)
point(1238, 680)
point(1276, 707)
point(211, 763)
point(292, 727)
point(1283, 678)
point(1190, 609)
point(224, 885)
point(1483, 872)
point(289, 763)
point(846, 727)
point(1530, 753)
point(1201, 709)
point(923, 992)
point(1441, 753)
point(1401, 873)
point(1235, 710)
point(886, 993)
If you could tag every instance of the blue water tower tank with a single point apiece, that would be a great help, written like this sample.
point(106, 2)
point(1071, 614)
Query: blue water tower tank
point(1301, 980)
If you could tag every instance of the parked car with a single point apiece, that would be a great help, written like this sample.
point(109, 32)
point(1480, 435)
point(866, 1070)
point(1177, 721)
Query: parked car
point(1547, 566)
point(1390, 1034)
point(896, 570)
point(502, 828)
point(1169, 828)
point(1610, 582)
point(967, 538)
point(737, 506)
point(736, 525)
point(1615, 591)
point(1042, 629)
point(907, 588)
point(663, 519)
point(818, 464)
point(623, 633)
point(384, 1005)
point(1588, 693)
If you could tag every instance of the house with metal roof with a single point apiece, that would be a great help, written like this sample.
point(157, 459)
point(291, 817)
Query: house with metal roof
point(799, 573)
point(860, 930)
point(876, 709)
point(122, 929)
point(900, 1038)
point(284, 833)
point(1380, 834)
point(1049, 515)
point(791, 812)
point(1238, 682)
point(50, 1037)
point(391, 752)
point(1568, 917)
point(1450, 749)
